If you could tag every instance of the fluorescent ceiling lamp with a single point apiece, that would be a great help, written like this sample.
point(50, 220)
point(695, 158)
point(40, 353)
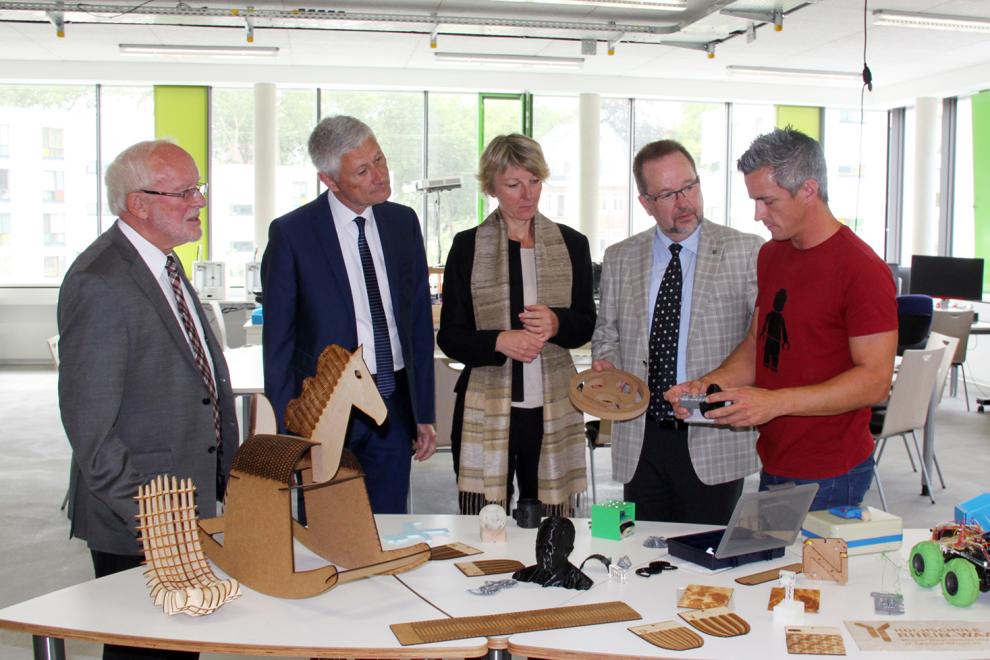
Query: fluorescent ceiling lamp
point(930, 21)
point(511, 58)
point(192, 49)
point(773, 71)
point(653, 5)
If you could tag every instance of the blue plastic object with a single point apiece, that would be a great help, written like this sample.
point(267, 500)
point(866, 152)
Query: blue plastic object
point(975, 510)
point(258, 316)
point(847, 512)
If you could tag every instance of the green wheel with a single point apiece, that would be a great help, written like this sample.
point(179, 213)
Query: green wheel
point(927, 563)
point(960, 584)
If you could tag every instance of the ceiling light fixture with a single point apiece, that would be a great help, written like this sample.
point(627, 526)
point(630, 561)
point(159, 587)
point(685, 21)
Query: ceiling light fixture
point(773, 71)
point(511, 58)
point(652, 5)
point(894, 18)
point(193, 49)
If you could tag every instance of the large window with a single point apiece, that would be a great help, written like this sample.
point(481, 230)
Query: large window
point(614, 170)
point(556, 128)
point(295, 177)
point(453, 151)
point(964, 217)
point(50, 161)
point(128, 116)
point(232, 180)
point(856, 154)
point(748, 123)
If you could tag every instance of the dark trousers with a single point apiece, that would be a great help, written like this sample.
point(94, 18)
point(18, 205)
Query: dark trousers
point(105, 563)
point(525, 443)
point(385, 452)
point(666, 488)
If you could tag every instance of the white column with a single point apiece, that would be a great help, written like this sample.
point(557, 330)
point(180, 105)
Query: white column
point(589, 121)
point(926, 163)
point(265, 160)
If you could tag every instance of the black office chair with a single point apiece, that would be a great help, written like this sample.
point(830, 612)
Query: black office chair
point(914, 321)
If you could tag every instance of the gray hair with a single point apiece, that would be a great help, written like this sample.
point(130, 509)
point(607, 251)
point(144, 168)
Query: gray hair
point(332, 138)
point(792, 157)
point(131, 171)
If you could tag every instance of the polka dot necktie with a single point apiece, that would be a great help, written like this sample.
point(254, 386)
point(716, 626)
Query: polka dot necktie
point(663, 336)
point(385, 368)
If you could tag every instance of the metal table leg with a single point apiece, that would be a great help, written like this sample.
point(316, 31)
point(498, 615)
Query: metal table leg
point(48, 648)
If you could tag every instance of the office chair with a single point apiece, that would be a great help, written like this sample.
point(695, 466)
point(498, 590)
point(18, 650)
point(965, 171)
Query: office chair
point(914, 321)
point(956, 324)
point(907, 408)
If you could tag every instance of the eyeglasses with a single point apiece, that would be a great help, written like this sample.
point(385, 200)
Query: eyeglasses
point(671, 195)
point(656, 566)
point(187, 194)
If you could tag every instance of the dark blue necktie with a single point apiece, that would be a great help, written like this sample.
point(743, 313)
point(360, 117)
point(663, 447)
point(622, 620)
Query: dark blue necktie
point(664, 334)
point(383, 347)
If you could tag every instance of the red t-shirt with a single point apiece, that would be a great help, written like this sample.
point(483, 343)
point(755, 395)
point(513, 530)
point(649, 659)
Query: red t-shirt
point(810, 303)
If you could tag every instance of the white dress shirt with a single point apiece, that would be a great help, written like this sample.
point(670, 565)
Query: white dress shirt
point(155, 259)
point(347, 234)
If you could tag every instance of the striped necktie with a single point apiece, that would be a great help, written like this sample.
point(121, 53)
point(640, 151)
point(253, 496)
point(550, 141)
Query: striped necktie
point(385, 372)
point(202, 364)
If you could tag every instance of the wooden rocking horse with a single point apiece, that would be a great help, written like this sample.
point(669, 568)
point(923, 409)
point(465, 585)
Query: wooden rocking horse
point(257, 525)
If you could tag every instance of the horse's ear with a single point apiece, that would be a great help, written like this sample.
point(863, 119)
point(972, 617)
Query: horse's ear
point(359, 351)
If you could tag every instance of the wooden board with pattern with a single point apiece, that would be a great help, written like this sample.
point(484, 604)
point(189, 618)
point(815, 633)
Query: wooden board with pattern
point(811, 598)
point(767, 576)
point(489, 567)
point(814, 640)
point(509, 623)
point(826, 559)
point(669, 635)
point(719, 622)
point(704, 597)
point(452, 551)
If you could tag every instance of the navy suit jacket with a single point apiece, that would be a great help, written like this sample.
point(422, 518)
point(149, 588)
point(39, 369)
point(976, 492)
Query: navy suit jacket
point(308, 303)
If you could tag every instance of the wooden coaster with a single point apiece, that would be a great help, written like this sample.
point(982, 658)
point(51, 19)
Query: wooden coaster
point(452, 551)
point(704, 597)
point(669, 635)
point(720, 622)
point(491, 625)
point(489, 567)
point(811, 598)
point(767, 576)
point(804, 640)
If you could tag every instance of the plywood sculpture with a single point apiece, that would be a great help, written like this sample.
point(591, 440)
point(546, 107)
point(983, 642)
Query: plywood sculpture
point(179, 577)
point(257, 525)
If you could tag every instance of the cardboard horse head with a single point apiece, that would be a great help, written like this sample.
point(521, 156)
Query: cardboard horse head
point(257, 524)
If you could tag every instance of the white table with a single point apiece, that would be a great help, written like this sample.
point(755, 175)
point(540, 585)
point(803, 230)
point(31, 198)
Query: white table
point(353, 619)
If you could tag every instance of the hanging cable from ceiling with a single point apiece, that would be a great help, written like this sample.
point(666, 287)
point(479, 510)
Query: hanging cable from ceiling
point(867, 85)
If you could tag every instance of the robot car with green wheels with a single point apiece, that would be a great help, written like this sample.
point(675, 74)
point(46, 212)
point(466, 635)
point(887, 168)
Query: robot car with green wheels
point(958, 556)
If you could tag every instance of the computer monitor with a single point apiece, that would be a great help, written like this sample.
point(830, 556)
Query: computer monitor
point(947, 277)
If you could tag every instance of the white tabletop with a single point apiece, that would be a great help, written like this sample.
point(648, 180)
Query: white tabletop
point(353, 619)
point(247, 374)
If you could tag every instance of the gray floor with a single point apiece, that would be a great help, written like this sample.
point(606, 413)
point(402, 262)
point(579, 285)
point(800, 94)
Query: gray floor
point(38, 557)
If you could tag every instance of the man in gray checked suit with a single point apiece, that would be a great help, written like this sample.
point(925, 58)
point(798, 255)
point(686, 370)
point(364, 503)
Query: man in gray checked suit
point(143, 386)
point(675, 301)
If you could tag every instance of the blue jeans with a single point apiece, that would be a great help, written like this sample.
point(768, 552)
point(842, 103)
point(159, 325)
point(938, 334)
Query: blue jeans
point(844, 490)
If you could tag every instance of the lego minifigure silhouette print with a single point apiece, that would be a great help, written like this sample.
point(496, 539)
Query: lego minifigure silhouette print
point(775, 330)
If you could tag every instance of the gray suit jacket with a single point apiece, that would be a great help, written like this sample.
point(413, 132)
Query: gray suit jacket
point(132, 400)
point(721, 311)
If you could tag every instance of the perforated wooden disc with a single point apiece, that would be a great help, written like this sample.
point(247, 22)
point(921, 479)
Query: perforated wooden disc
point(612, 394)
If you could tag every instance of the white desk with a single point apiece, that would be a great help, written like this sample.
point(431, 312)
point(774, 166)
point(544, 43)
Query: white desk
point(353, 619)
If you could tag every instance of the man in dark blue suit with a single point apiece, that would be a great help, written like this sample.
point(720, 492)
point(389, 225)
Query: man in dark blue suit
point(349, 268)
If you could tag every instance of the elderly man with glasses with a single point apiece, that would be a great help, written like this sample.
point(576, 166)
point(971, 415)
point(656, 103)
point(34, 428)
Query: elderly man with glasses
point(675, 300)
point(143, 386)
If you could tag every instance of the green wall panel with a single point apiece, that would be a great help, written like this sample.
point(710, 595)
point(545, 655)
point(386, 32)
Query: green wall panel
point(981, 180)
point(182, 114)
point(806, 119)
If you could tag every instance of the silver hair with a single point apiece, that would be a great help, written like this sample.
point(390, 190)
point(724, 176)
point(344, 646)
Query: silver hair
point(332, 138)
point(792, 157)
point(130, 171)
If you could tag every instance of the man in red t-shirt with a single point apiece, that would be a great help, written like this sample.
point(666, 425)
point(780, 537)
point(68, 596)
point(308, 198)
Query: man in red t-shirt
point(821, 347)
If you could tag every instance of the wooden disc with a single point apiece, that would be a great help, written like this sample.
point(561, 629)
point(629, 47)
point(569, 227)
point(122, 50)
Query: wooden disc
point(610, 394)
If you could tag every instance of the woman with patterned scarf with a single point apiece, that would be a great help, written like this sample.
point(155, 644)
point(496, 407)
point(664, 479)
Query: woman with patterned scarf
point(517, 296)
